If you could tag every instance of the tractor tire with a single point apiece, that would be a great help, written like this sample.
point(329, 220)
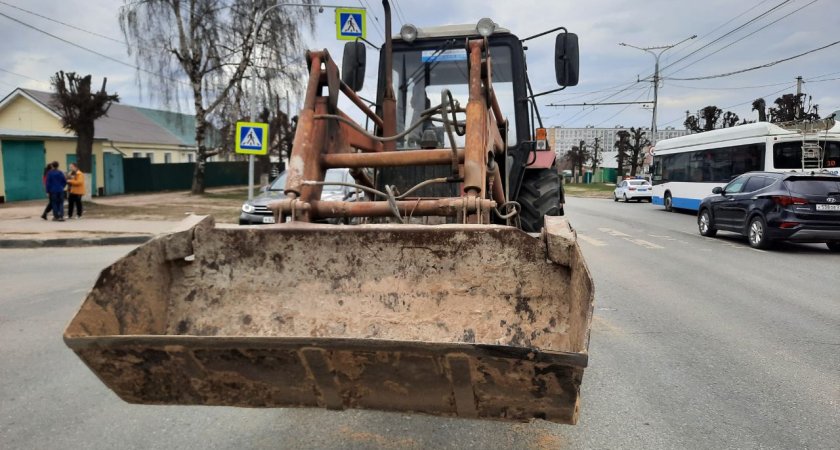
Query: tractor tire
point(539, 196)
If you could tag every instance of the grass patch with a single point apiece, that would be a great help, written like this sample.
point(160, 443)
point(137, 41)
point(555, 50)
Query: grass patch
point(592, 190)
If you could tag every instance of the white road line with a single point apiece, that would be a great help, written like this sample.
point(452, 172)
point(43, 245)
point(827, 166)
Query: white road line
point(667, 238)
point(592, 241)
point(612, 232)
point(644, 243)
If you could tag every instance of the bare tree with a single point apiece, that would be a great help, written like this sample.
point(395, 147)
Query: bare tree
point(730, 119)
point(637, 157)
point(709, 118)
point(577, 155)
point(760, 106)
point(596, 157)
point(622, 146)
point(213, 43)
point(790, 107)
point(79, 107)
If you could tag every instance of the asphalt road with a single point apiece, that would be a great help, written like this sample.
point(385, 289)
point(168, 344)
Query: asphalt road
point(696, 343)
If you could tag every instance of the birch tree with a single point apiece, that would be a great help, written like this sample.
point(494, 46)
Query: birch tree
point(206, 48)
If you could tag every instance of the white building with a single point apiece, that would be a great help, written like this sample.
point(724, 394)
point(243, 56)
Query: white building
point(562, 140)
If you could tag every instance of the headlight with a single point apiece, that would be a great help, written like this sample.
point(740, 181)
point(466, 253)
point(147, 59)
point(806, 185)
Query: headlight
point(408, 33)
point(485, 27)
point(247, 208)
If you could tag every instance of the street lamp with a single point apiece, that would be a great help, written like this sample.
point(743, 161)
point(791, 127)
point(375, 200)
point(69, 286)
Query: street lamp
point(656, 52)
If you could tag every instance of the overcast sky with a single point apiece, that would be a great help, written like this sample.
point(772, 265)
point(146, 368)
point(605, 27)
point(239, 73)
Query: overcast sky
point(29, 57)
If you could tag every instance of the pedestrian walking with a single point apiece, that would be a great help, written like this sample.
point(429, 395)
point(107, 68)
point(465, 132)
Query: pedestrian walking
point(48, 208)
point(56, 181)
point(76, 181)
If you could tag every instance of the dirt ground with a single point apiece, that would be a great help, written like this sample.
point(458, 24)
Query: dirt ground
point(224, 204)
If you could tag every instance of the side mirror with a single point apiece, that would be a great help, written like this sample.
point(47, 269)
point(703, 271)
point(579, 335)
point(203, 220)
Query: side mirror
point(717, 190)
point(566, 59)
point(353, 65)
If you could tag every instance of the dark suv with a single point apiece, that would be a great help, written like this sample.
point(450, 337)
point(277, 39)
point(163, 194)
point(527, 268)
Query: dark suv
point(768, 206)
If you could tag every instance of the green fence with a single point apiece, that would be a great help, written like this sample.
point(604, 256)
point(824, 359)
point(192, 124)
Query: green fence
point(143, 176)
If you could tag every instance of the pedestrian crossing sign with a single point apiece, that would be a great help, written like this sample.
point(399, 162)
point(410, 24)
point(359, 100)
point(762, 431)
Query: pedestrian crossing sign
point(252, 138)
point(350, 24)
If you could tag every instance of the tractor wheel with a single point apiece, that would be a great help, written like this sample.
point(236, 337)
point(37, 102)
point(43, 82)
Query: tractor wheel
point(539, 196)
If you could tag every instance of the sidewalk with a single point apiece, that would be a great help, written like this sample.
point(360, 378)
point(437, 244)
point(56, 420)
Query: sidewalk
point(141, 217)
point(35, 232)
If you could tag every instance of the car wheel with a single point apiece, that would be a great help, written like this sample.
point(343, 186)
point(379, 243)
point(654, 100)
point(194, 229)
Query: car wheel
point(704, 223)
point(625, 198)
point(669, 203)
point(833, 246)
point(615, 197)
point(757, 233)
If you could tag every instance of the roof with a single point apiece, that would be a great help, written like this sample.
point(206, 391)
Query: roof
point(25, 134)
point(125, 123)
point(750, 130)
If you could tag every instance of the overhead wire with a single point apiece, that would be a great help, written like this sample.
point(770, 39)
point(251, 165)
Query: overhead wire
point(82, 47)
point(93, 33)
point(788, 86)
point(719, 38)
point(378, 24)
point(761, 66)
point(398, 10)
point(741, 39)
point(623, 109)
point(22, 76)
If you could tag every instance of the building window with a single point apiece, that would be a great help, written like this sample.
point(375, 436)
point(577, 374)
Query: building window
point(136, 155)
point(167, 158)
point(151, 157)
point(190, 157)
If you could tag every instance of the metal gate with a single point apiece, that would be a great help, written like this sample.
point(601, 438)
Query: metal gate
point(23, 170)
point(114, 181)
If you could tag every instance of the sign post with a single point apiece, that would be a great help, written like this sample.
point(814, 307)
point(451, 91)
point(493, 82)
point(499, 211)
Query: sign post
point(350, 24)
point(251, 139)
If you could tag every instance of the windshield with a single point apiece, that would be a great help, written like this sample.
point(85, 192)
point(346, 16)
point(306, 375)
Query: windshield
point(420, 76)
point(334, 175)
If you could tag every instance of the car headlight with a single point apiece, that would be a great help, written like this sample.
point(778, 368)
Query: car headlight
point(247, 208)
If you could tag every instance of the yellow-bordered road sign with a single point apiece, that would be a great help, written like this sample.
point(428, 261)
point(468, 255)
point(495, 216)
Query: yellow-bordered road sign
point(350, 24)
point(252, 138)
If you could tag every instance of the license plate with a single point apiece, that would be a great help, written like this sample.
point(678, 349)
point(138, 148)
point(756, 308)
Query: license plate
point(268, 219)
point(642, 190)
point(821, 207)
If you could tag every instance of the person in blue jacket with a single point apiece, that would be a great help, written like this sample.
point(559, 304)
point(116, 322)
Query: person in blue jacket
point(56, 181)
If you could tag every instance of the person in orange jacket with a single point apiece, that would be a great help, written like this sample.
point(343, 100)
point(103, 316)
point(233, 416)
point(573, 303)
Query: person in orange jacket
point(76, 181)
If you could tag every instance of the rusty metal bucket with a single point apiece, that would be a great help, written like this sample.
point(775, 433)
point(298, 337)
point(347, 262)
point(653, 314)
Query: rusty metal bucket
point(451, 320)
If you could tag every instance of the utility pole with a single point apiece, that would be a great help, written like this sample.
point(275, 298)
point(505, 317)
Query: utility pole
point(595, 159)
point(797, 115)
point(656, 52)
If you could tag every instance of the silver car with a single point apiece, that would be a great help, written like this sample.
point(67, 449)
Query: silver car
point(256, 211)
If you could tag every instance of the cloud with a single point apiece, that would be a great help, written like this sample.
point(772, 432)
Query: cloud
point(600, 25)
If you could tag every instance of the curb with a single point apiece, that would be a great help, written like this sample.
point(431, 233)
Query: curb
point(75, 242)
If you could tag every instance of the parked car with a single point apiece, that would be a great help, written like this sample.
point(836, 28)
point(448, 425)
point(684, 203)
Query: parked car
point(767, 207)
point(633, 190)
point(256, 211)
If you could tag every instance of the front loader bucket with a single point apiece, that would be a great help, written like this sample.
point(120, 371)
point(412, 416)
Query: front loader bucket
point(476, 321)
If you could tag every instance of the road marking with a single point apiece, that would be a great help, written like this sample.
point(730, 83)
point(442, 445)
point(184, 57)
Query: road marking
point(612, 232)
point(592, 241)
point(630, 239)
point(667, 238)
point(644, 243)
